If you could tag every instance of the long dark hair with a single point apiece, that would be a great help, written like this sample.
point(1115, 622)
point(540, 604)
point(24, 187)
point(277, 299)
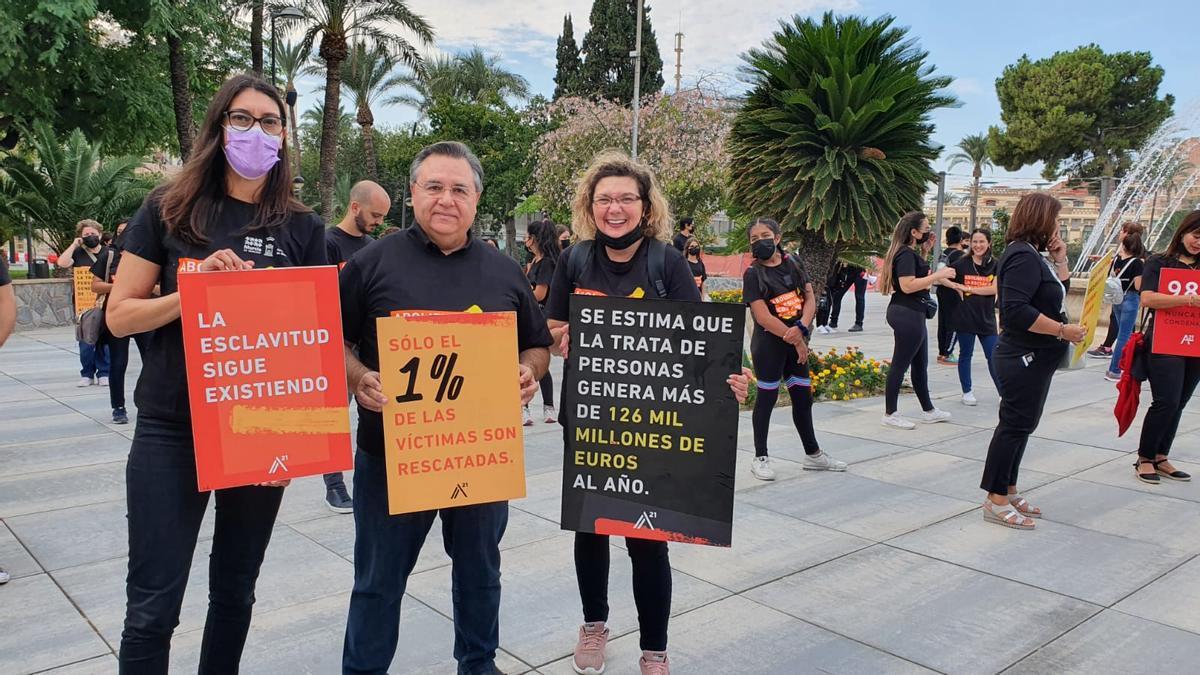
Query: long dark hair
point(901, 238)
point(545, 235)
point(191, 201)
point(1176, 248)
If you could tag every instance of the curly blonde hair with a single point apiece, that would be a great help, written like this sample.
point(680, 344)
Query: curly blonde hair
point(656, 211)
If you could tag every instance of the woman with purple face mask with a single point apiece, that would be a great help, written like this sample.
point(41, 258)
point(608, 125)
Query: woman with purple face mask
point(229, 208)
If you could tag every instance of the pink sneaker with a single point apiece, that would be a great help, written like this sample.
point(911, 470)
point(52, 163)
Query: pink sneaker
point(589, 651)
point(654, 663)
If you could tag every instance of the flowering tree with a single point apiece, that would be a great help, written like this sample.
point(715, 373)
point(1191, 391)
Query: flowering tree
point(681, 137)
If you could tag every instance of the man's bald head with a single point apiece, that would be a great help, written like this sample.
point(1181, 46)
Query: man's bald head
point(369, 204)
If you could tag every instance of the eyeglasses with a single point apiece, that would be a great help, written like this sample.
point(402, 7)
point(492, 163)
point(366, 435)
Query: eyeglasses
point(605, 201)
point(459, 193)
point(243, 121)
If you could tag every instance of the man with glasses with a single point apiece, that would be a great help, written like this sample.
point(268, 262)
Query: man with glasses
point(436, 266)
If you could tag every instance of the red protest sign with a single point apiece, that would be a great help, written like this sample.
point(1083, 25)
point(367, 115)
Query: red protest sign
point(266, 374)
point(1177, 331)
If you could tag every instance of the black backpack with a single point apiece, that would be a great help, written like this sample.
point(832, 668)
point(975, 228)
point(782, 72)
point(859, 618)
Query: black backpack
point(579, 260)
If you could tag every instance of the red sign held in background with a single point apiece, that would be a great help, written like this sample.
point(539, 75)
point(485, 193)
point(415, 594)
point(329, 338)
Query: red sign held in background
point(1177, 331)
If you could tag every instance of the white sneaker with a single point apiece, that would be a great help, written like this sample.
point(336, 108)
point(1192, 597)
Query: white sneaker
point(549, 414)
point(824, 330)
point(4, 576)
point(84, 382)
point(823, 462)
point(934, 416)
point(526, 418)
point(969, 399)
point(102, 381)
point(761, 468)
point(830, 329)
point(895, 420)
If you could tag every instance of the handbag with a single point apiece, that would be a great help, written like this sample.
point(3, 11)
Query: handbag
point(91, 322)
point(1139, 360)
point(931, 306)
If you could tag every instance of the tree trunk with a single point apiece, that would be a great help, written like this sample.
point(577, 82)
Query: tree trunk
point(817, 256)
point(181, 95)
point(329, 129)
point(974, 199)
point(256, 37)
point(510, 236)
point(366, 122)
point(295, 141)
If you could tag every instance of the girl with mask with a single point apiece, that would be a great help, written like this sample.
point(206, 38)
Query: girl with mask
point(906, 276)
point(781, 300)
point(621, 218)
point(85, 251)
point(543, 243)
point(229, 208)
point(692, 249)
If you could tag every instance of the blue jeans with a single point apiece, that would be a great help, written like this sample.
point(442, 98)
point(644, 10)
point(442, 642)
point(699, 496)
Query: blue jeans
point(385, 551)
point(966, 349)
point(1126, 314)
point(93, 360)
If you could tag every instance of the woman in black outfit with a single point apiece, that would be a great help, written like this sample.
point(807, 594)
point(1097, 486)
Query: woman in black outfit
point(1032, 296)
point(229, 208)
point(544, 243)
point(975, 317)
point(1172, 378)
point(691, 249)
point(103, 273)
point(907, 277)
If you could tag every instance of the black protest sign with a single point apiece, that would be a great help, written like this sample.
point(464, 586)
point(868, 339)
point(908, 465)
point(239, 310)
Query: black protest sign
point(651, 422)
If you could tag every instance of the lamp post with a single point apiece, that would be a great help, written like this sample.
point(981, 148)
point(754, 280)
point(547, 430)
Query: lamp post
point(287, 12)
point(636, 55)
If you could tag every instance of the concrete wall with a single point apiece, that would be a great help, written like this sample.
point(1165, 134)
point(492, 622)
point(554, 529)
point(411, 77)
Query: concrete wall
point(44, 303)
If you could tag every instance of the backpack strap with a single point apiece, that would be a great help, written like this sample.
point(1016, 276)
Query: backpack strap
point(656, 266)
point(579, 258)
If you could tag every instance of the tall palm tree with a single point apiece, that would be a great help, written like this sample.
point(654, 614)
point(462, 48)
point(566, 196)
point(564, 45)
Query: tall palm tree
point(437, 80)
point(367, 75)
point(474, 77)
point(973, 150)
point(834, 138)
point(291, 59)
point(337, 22)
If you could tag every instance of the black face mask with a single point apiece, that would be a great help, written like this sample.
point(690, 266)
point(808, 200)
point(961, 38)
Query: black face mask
point(693, 251)
point(91, 241)
point(923, 238)
point(763, 249)
point(622, 242)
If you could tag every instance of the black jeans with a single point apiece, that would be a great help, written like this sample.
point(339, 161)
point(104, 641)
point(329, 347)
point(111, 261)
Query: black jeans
point(118, 353)
point(165, 511)
point(386, 548)
point(651, 584)
point(911, 349)
point(860, 302)
point(1173, 379)
point(1026, 375)
point(547, 385)
point(948, 301)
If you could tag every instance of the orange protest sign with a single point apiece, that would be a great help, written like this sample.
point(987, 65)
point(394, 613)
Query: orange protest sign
point(452, 421)
point(85, 299)
point(266, 374)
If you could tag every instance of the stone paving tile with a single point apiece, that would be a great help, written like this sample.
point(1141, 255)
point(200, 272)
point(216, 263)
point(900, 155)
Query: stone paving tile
point(736, 635)
point(1112, 642)
point(49, 427)
point(784, 443)
point(1119, 473)
point(941, 474)
point(39, 629)
point(540, 612)
point(924, 610)
point(62, 453)
point(101, 665)
point(866, 425)
point(856, 505)
point(29, 409)
point(1092, 566)
point(14, 557)
point(1041, 454)
point(33, 493)
point(1173, 599)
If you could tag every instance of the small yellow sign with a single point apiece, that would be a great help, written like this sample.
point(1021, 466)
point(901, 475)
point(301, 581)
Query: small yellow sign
point(85, 299)
point(1093, 300)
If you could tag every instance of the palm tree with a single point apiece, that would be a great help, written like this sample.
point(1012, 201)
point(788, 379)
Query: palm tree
point(58, 184)
point(291, 59)
point(973, 150)
point(367, 75)
point(337, 22)
point(474, 77)
point(436, 82)
point(834, 137)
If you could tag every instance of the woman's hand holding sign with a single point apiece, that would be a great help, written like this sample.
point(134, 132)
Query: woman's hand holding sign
point(225, 260)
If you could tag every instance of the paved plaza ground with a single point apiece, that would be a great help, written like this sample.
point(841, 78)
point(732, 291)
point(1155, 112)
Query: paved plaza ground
point(887, 568)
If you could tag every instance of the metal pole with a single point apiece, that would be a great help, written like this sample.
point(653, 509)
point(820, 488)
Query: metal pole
point(273, 49)
point(637, 77)
point(941, 200)
point(404, 203)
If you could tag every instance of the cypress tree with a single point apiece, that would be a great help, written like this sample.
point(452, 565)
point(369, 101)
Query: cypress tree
point(607, 68)
point(568, 71)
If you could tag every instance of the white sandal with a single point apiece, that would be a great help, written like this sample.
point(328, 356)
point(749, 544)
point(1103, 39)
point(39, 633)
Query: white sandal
point(1006, 515)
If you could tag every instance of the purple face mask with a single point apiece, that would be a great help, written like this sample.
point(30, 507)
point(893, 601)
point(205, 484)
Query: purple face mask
point(251, 153)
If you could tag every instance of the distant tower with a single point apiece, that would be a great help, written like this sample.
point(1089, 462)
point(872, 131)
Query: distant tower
point(678, 59)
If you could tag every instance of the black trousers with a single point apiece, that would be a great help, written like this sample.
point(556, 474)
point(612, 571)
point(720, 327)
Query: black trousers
point(775, 364)
point(651, 584)
point(118, 354)
point(165, 511)
point(911, 350)
point(1111, 336)
point(948, 301)
point(1028, 372)
point(1173, 379)
point(860, 302)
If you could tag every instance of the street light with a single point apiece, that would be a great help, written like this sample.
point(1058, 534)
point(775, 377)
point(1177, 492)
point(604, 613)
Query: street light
point(287, 12)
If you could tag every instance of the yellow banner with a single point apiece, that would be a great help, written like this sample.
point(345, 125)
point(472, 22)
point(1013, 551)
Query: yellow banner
point(452, 421)
point(85, 299)
point(1093, 300)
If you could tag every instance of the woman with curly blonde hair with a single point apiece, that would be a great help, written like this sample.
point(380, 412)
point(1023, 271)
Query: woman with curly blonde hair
point(623, 222)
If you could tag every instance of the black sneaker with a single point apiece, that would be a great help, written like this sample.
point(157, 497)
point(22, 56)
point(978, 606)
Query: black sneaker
point(856, 328)
point(120, 416)
point(338, 500)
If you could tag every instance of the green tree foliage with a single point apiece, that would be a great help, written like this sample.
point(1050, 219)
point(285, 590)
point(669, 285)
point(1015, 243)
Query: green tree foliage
point(607, 69)
point(368, 75)
point(834, 139)
point(291, 58)
point(973, 150)
point(568, 67)
point(58, 183)
point(1082, 112)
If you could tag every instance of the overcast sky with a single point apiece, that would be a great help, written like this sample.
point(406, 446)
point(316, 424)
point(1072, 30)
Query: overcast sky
point(971, 41)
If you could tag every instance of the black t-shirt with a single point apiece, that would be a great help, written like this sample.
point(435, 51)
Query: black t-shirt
point(908, 263)
point(406, 271)
point(680, 241)
point(975, 314)
point(5, 279)
point(102, 264)
point(83, 258)
point(541, 272)
point(339, 246)
point(948, 300)
point(629, 279)
point(162, 387)
point(1150, 275)
point(1126, 269)
point(784, 292)
point(699, 274)
point(1028, 287)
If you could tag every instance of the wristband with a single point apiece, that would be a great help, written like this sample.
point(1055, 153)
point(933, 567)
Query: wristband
point(804, 330)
